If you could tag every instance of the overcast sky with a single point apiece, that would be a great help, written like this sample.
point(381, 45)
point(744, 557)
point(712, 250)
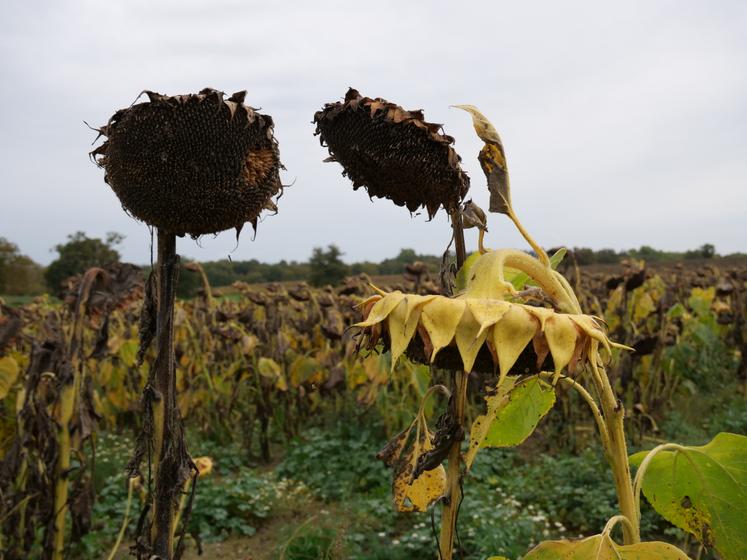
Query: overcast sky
point(624, 123)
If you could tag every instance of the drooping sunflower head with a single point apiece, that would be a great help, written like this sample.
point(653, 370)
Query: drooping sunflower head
point(482, 329)
point(393, 153)
point(191, 164)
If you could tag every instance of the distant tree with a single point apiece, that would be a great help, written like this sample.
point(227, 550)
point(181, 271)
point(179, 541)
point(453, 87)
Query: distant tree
point(584, 255)
point(408, 256)
point(607, 256)
point(705, 251)
point(19, 275)
point(79, 254)
point(647, 252)
point(365, 267)
point(326, 267)
point(8, 254)
point(188, 283)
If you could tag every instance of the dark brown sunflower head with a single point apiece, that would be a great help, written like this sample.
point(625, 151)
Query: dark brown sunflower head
point(192, 164)
point(392, 152)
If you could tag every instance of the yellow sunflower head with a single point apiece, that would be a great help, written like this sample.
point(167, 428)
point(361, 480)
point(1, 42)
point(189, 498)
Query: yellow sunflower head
point(494, 324)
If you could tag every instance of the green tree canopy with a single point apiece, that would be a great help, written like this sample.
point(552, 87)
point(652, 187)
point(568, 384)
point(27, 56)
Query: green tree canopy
point(705, 251)
point(19, 275)
point(326, 267)
point(79, 254)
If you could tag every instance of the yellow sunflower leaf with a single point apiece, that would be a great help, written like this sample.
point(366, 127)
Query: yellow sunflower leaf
point(483, 127)
point(561, 334)
point(482, 281)
point(419, 494)
point(427, 488)
point(487, 312)
point(542, 314)
point(589, 325)
point(415, 304)
point(512, 414)
point(403, 322)
point(602, 547)
point(469, 339)
point(8, 374)
point(511, 335)
point(440, 318)
point(382, 309)
point(368, 300)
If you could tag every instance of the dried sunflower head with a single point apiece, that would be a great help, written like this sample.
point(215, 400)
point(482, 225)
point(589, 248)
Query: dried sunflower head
point(194, 163)
point(392, 152)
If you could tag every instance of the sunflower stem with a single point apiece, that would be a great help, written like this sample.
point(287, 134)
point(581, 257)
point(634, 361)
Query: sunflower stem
point(460, 246)
point(541, 254)
point(616, 448)
point(164, 383)
point(453, 495)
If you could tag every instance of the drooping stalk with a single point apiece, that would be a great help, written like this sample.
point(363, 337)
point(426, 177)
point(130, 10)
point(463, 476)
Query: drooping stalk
point(612, 410)
point(613, 415)
point(641, 472)
point(586, 396)
point(545, 277)
point(71, 383)
point(205, 285)
point(541, 254)
point(64, 415)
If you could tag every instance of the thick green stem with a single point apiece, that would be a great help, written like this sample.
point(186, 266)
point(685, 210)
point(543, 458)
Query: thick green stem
point(616, 449)
point(547, 279)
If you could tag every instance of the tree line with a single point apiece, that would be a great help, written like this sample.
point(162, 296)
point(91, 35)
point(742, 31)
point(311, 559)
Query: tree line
point(20, 275)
